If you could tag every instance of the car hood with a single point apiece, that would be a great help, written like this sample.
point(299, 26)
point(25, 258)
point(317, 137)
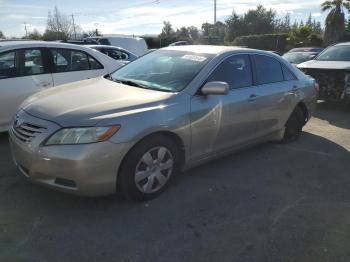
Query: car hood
point(85, 103)
point(335, 65)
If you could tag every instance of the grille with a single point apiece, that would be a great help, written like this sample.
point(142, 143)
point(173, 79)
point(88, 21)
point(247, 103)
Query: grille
point(26, 131)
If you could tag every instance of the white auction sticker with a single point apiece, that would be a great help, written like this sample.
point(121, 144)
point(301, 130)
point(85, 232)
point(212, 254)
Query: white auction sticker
point(194, 58)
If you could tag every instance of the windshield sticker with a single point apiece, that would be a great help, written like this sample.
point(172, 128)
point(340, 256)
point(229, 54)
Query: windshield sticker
point(196, 58)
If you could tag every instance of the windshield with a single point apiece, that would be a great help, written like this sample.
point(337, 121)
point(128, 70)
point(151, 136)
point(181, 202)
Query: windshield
point(298, 57)
point(164, 70)
point(335, 53)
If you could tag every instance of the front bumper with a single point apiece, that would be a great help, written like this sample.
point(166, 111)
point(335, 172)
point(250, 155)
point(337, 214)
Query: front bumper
point(87, 170)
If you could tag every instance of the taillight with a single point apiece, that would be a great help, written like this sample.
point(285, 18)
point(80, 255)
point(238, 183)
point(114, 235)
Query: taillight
point(317, 87)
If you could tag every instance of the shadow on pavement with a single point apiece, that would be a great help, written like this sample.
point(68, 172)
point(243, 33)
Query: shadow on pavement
point(337, 114)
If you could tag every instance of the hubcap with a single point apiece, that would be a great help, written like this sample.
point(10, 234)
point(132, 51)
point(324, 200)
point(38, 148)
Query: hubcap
point(154, 170)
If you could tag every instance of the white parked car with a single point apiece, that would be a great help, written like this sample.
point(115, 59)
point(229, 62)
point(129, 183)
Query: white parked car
point(136, 45)
point(117, 53)
point(27, 67)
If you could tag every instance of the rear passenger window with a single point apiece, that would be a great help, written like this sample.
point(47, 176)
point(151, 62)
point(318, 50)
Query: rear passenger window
point(236, 71)
point(8, 65)
point(66, 60)
point(268, 70)
point(104, 41)
point(118, 55)
point(33, 62)
point(94, 64)
point(288, 76)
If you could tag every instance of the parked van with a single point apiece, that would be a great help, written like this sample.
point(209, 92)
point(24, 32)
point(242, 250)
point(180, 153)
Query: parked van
point(135, 45)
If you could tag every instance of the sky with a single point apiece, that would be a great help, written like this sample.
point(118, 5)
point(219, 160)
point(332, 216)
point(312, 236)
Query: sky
point(140, 16)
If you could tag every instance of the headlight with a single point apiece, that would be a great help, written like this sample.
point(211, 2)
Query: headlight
point(82, 135)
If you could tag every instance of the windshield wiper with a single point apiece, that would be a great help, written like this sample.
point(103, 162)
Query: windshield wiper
point(130, 83)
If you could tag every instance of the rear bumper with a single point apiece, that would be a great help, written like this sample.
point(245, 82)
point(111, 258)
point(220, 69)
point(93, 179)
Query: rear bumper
point(86, 170)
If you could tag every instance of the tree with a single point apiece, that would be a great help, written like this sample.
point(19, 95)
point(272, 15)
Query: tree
point(260, 20)
point(59, 26)
point(35, 35)
point(2, 36)
point(91, 33)
point(254, 22)
point(335, 21)
point(182, 34)
point(168, 35)
point(300, 35)
point(167, 30)
point(283, 25)
point(235, 26)
point(309, 20)
point(193, 32)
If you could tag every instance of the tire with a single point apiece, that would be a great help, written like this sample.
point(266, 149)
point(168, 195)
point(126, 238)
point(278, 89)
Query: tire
point(294, 126)
point(143, 178)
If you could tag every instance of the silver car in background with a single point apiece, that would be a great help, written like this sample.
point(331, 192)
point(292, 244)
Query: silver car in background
point(170, 110)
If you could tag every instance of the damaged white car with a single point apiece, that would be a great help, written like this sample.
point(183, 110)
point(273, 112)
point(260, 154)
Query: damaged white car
point(331, 69)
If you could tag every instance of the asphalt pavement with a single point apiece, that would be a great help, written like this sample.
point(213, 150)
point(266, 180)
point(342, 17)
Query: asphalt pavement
point(270, 203)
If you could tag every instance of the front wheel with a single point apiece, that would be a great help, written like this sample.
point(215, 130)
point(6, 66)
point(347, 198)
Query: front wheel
point(148, 168)
point(294, 126)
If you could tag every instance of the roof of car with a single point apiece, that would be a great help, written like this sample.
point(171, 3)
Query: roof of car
point(18, 44)
point(345, 43)
point(306, 49)
point(209, 49)
point(105, 46)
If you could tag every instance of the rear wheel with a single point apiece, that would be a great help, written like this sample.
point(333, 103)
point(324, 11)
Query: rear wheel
point(294, 126)
point(148, 168)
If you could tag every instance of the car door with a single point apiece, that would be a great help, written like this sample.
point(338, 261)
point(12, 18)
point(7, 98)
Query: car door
point(221, 122)
point(273, 94)
point(70, 65)
point(23, 72)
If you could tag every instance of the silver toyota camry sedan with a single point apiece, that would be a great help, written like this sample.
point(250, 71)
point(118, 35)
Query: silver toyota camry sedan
point(132, 131)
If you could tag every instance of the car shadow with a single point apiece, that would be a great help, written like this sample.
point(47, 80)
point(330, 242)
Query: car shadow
point(337, 114)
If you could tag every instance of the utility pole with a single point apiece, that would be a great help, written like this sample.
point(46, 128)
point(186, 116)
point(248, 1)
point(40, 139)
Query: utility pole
point(75, 33)
point(25, 28)
point(214, 11)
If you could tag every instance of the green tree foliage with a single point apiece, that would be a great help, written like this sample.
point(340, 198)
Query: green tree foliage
point(263, 41)
point(168, 34)
point(258, 21)
point(283, 25)
point(35, 35)
point(300, 34)
point(182, 34)
point(2, 36)
point(335, 21)
point(213, 33)
point(255, 21)
point(235, 27)
point(193, 32)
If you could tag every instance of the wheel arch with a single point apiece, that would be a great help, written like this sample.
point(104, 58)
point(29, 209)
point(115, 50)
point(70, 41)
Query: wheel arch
point(305, 111)
point(170, 135)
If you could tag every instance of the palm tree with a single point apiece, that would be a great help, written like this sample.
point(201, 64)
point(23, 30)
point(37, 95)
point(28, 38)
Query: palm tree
point(335, 21)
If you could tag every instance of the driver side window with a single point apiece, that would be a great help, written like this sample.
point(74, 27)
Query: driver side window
point(235, 70)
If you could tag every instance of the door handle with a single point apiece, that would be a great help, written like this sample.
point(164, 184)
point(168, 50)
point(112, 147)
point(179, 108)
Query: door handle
point(252, 97)
point(295, 88)
point(43, 84)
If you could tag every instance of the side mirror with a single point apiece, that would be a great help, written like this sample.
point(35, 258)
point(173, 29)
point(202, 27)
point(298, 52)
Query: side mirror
point(312, 56)
point(215, 88)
